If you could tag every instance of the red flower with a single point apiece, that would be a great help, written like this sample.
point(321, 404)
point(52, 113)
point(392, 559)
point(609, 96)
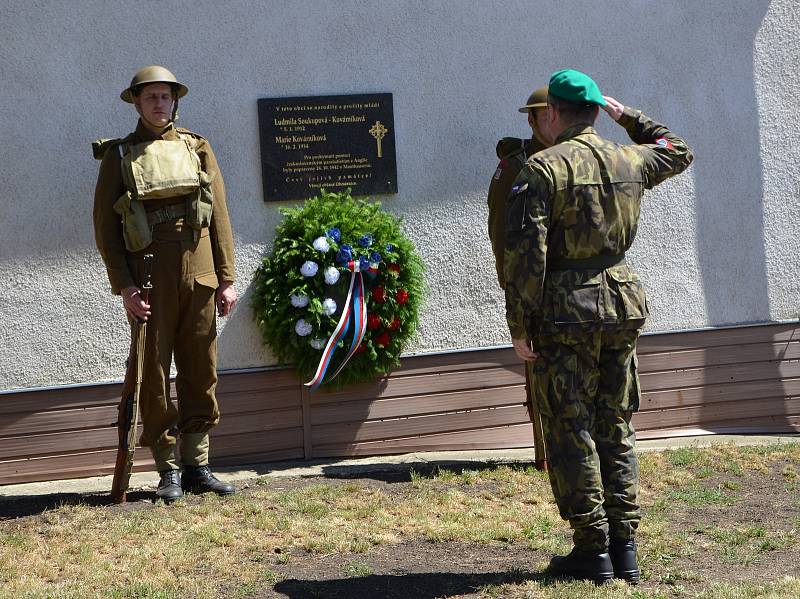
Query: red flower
point(402, 296)
point(383, 339)
point(373, 321)
point(394, 325)
point(394, 267)
point(378, 294)
point(361, 348)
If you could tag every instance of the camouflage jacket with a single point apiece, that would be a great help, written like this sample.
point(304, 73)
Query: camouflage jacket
point(580, 200)
point(512, 152)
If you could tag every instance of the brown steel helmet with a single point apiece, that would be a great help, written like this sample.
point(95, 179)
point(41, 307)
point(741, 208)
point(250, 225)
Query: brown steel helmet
point(537, 99)
point(153, 74)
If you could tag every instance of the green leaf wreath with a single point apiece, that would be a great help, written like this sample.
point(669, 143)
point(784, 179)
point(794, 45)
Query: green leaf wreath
point(300, 290)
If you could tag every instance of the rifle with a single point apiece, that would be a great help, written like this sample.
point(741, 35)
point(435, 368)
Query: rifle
point(539, 450)
point(129, 404)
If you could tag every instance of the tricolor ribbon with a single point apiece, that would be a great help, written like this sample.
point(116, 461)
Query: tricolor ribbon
point(354, 313)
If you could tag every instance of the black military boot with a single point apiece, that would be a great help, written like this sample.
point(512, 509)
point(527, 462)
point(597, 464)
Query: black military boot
point(623, 556)
point(583, 565)
point(198, 479)
point(169, 486)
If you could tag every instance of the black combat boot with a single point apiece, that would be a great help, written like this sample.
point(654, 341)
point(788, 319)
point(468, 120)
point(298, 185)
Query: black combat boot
point(583, 565)
point(623, 556)
point(169, 487)
point(198, 479)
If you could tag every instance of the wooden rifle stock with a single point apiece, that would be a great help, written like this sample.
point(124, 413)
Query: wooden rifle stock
point(129, 404)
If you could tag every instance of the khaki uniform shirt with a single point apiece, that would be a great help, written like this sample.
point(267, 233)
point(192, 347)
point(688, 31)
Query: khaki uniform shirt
point(108, 224)
point(512, 153)
point(579, 200)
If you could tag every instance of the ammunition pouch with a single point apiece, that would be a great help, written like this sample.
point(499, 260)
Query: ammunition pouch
point(200, 204)
point(135, 228)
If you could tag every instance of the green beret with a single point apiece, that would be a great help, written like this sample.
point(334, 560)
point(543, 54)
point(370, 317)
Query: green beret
point(574, 86)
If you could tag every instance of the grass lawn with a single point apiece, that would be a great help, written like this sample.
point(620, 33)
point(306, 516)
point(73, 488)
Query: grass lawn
point(721, 522)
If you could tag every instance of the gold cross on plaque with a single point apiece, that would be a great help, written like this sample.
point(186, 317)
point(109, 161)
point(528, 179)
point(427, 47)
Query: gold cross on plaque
point(378, 131)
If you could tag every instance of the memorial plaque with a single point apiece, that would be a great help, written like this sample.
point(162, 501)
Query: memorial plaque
point(330, 142)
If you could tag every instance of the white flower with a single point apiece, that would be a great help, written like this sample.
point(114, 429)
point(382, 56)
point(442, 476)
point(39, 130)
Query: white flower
point(299, 301)
point(309, 268)
point(331, 275)
point(329, 306)
point(302, 328)
point(317, 343)
point(321, 244)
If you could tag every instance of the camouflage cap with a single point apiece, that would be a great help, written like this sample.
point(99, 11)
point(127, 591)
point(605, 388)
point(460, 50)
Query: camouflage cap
point(574, 86)
point(538, 99)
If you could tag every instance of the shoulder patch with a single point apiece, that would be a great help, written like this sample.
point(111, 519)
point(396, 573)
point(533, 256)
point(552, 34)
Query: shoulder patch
point(664, 143)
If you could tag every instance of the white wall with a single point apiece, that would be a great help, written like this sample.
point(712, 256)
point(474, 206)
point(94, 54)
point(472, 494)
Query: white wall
point(717, 245)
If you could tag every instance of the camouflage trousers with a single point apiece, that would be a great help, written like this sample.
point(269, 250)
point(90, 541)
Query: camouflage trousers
point(586, 389)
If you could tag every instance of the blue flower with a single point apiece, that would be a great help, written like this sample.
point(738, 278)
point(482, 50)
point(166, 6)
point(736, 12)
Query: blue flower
point(375, 257)
point(334, 234)
point(365, 240)
point(363, 263)
point(389, 247)
point(345, 254)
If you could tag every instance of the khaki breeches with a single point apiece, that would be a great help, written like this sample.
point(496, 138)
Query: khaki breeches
point(183, 325)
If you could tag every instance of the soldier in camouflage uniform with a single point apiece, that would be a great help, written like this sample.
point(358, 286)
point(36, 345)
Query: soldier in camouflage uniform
point(575, 308)
point(513, 152)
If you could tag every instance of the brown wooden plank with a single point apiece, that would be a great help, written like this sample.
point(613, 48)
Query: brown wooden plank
point(255, 442)
point(308, 446)
point(713, 375)
point(273, 379)
point(769, 333)
point(76, 465)
point(57, 420)
point(58, 443)
point(707, 394)
point(513, 436)
point(763, 425)
point(775, 407)
point(359, 411)
point(418, 425)
point(466, 360)
point(258, 401)
point(235, 424)
point(426, 384)
point(714, 356)
point(251, 459)
point(59, 399)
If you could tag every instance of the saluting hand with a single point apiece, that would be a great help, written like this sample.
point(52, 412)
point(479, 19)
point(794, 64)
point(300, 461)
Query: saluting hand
point(226, 298)
point(134, 304)
point(613, 107)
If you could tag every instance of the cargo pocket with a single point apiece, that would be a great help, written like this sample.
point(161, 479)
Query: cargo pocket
point(628, 293)
point(579, 304)
point(136, 230)
point(209, 280)
point(554, 387)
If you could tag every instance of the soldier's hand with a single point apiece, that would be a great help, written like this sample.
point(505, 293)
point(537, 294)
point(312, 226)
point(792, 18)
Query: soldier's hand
point(524, 349)
point(226, 298)
point(613, 107)
point(134, 304)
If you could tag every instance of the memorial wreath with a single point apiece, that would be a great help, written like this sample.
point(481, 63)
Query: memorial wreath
point(339, 297)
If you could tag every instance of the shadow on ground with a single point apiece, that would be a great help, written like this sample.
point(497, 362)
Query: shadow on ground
point(20, 506)
point(420, 585)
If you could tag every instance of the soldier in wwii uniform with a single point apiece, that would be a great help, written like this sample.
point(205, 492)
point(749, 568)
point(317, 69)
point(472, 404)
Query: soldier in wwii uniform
point(160, 192)
point(575, 308)
point(513, 152)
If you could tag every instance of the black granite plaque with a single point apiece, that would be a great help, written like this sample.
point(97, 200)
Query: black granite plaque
point(329, 142)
